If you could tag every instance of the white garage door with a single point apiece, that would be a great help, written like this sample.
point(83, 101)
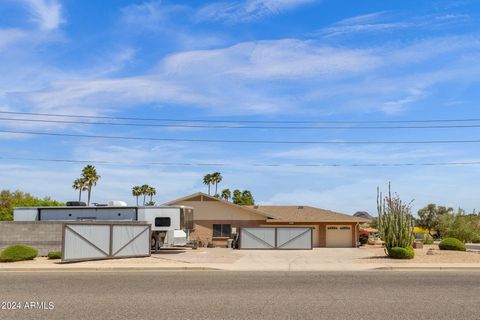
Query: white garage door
point(339, 236)
point(316, 231)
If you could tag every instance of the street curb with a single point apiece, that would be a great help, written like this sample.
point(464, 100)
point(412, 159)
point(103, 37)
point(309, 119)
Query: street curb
point(113, 269)
point(428, 268)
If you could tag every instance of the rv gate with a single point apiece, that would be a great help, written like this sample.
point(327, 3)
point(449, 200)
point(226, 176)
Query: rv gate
point(83, 241)
point(276, 238)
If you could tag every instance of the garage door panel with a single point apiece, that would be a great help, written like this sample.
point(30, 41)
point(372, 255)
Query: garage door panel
point(258, 238)
point(339, 236)
point(294, 238)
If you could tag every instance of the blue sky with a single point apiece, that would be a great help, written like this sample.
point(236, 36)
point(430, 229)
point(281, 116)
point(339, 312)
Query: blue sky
point(283, 60)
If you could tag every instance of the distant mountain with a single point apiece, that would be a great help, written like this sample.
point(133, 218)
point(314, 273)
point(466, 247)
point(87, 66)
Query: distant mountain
point(363, 214)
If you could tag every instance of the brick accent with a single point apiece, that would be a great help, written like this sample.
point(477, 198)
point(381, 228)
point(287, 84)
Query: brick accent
point(204, 229)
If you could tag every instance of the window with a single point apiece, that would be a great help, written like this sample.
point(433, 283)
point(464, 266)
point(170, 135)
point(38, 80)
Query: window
point(162, 222)
point(222, 230)
point(344, 228)
point(332, 228)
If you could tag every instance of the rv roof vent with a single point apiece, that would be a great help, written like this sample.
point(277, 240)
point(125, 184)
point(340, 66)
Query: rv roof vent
point(76, 204)
point(300, 207)
point(117, 203)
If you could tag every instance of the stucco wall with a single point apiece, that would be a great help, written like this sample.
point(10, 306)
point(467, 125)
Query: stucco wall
point(45, 236)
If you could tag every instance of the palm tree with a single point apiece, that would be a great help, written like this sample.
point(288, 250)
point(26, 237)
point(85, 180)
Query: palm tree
point(151, 192)
point(216, 179)
point(137, 192)
point(144, 188)
point(207, 180)
point(226, 194)
point(79, 184)
point(90, 176)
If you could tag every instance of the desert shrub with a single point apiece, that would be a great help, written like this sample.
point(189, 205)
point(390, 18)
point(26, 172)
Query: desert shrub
point(395, 220)
point(18, 252)
point(427, 240)
point(452, 244)
point(54, 255)
point(401, 253)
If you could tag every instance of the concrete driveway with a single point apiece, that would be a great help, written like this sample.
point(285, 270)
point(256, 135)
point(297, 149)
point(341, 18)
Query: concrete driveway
point(319, 259)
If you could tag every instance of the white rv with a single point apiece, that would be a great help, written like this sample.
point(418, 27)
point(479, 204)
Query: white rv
point(171, 225)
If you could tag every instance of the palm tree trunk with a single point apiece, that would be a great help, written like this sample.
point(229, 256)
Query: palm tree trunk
point(216, 186)
point(137, 200)
point(151, 198)
point(209, 189)
point(80, 195)
point(144, 196)
point(89, 194)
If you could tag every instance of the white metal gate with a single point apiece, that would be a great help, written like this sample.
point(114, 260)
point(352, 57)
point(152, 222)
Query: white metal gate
point(276, 238)
point(82, 241)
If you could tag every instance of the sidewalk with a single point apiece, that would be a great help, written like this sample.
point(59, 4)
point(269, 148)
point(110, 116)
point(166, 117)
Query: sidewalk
point(324, 259)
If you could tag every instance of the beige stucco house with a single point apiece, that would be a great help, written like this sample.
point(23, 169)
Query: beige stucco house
point(216, 220)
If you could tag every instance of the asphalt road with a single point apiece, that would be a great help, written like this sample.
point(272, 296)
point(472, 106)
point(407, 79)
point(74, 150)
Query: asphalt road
point(228, 295)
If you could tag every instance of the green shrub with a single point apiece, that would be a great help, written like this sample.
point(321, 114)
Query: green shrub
point(452, 244)
point(18, 252)
point(363, 240)
point(476, 240)
point(401, 253)
point(428, 240)
point(54, 255)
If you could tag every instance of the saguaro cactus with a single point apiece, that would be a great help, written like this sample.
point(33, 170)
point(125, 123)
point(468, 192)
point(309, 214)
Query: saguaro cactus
point(395, 220)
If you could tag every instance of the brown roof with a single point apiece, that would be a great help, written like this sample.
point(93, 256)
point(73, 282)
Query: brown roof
point(306, 214)
point(200, 196)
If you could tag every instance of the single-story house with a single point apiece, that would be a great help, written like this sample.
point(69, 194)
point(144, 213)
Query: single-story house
point(216, 221)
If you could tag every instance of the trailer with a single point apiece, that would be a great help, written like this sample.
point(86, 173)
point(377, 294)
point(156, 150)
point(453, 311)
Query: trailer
point(170, 225)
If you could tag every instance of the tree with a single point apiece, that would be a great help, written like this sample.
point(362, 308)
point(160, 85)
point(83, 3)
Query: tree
point(137, 192)
point(395, 221)
point(10, 200)
point(243, 198)
point(145, 190)
point(429, 217)
point(151, 191)
point(207, 180)
point(79, 184)
point(247, 198)
point(216, 178)
point(237, 196)
point(226, 194)
point(90, 176)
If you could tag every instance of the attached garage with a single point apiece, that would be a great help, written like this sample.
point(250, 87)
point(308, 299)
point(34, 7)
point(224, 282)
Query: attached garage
point(217, 221)
point(339, 236)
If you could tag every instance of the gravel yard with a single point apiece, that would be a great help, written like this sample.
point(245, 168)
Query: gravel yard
point(421, 256)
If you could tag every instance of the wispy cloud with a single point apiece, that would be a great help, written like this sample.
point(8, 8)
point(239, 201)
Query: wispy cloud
point(151, 15)
point(383, 21)
point(247, 10)
point(47, 13)
point(10, 36)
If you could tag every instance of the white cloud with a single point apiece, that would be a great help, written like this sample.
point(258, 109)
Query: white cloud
point(151, 15)
point(210, 79)
point(47, 13)
point(10, 36)
point(383, 21)
point(247, 9)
